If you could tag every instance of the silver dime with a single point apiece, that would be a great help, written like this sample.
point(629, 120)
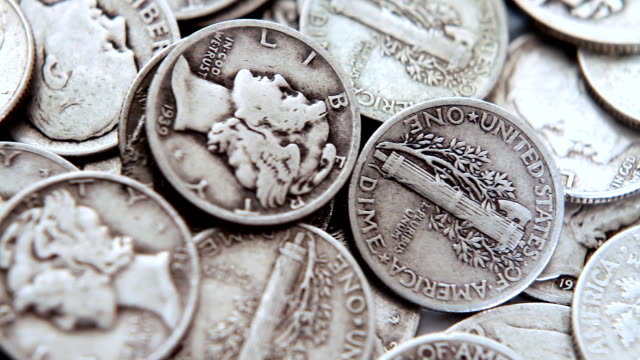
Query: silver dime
point(398, 53)
point(16, 56)
point(599, 158)
point(22, 165)
point(455, 205)
point(614, 81)
point(86, 50)
point(535, 331)
point(192, 9)
point(253, 123)
point(111, 165)
point(602, 25)
point(604, 312)
point(585, 228)
point(284, 12)
point(292, 293)
point(454, 346)
point(94, 266)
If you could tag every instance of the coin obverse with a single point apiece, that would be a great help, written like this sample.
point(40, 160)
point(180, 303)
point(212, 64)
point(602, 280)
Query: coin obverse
point(604, 312)
point(84, 50)
point(22, 165)
point(613, 80)
point(253, 123)
point(292, 293)
point(398, 53)
point(455, 205)
point(598, 158)
point(77, 249)
point(454, 346)
point(535, 331)
point(601, 25)
point(16, 56)
point(584, 229)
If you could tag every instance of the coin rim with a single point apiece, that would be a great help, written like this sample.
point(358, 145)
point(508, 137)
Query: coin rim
point(552, 241)
point(172, 176)
point(179, 331)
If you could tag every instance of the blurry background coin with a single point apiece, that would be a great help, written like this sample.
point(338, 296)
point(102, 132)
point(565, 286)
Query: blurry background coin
point(16, 56)
point(94, 266)
point(399, 53)
point(191, 9)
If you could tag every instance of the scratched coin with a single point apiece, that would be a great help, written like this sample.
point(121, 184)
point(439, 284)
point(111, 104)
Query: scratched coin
point(613, 80)
point(22, 165)
point(77, 249)
point(584, 229)
point(292, 293)
point(399, 53)
point(599, 158)
point(455, 205)
point(454, 346)
point(604, 312)
point(16, 56)
point(253, 123)
point(601, 25)
point(535, 331)
point(87, 54)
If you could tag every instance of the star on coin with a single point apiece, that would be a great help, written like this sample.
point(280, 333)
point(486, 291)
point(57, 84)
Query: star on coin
point(473, 117)
point(44, 173)
point(384, 258)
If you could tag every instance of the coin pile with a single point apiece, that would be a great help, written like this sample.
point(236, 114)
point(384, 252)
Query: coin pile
point(319, 179)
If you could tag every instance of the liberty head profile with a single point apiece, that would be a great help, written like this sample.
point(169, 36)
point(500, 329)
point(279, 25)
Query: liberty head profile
point(63, 263)
point(83, 68)
point(272, 136)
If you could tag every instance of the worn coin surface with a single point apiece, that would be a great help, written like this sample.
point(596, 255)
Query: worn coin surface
point(292, 293)
point(22, 165)
point(237, 10)
point(398, 53)
point(585, 228)
point(84, 50)
point(253, 123)
point(614, 81)
point(191, 9)
point(599, 158)
point(601, 25)
point(455, 205)
point(533, 330)
point(17, 56)
point(77, 249)
point(454, 346)
point(605, 310)
point(284, 12)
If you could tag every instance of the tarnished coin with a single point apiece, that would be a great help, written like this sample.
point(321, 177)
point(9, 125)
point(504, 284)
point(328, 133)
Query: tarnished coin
point(22, 165)
point(16, 56)
point(455, 205)
point(605, 309)
point(94, 266)
point(399, 53)
point(293, 293)
point(614, 82)
point(253, 123)
point(585, 228)
point(601, 25)
point(454, 346)
point(599, 158)
point(535, 331)
point(284, 12)
point(87, 54)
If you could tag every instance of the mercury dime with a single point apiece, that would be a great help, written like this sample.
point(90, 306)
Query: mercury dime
point(613, 80)
point(455, 205)
point(455, 346)
point(77, 249)
point(398, 53)
point(293, 293)
point(605, 306)
point(535, 331)
point(602, 25)
point(84, 50)
point(253, 123)
point(16, 56)
point(22, 165)
point(585, 228)
point(599, 158)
